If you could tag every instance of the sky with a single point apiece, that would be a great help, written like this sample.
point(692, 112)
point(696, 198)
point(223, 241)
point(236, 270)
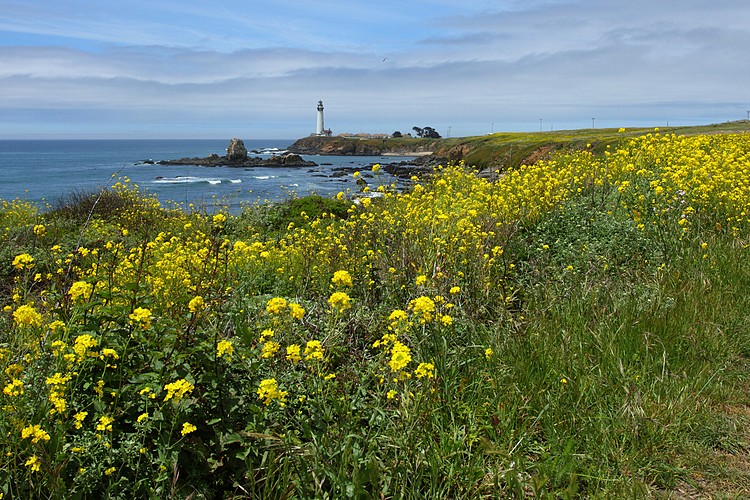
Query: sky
point(256, 69)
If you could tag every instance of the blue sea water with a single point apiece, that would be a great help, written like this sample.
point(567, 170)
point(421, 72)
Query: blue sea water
point(44, 171)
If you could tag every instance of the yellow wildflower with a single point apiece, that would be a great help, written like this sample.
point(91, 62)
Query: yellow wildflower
point(35, 432)
point(400, 356)
point(313, 350)
point(26, 315)
point(196, 304)
point(267, 333)
point(141, 316)
point(33, 463)
point(296, 311)
point(13, 388)
point(23, 261)
point(225, 347)
point(178, 390)
point(426, 370)
point(424, 307)
point(293, 353)
point(109, 353)
point(82, 344)
point(80, 290)
point(270, 349)
point(342, 278)
point(187, 428)
point(105, 423)
point(276, 305)
point(268, 390)
point(340, 301)
point(79, 418)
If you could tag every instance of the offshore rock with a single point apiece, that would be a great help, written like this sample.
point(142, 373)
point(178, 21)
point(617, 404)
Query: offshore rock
point(237, 157)
point(214, 160)
point(288, 160)
point(236, 150)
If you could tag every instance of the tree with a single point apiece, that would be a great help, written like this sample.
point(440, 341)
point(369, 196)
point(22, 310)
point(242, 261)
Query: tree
point(430, 133)
point(396, 134)
point(427, 132)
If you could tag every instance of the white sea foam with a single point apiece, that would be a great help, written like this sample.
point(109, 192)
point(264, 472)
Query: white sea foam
point(187, 179)
point(272, 151)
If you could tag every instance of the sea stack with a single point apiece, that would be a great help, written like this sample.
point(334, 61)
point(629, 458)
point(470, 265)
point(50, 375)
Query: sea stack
point(236, 152)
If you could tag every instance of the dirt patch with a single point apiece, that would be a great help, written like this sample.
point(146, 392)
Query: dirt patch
point(541, 153)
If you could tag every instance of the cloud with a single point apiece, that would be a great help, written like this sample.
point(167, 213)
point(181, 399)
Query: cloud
point(171, 66)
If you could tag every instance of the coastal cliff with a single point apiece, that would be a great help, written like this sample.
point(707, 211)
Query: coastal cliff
point(347, 146)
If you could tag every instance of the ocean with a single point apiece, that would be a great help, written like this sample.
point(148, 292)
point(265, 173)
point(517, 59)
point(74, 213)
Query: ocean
point(44, 171)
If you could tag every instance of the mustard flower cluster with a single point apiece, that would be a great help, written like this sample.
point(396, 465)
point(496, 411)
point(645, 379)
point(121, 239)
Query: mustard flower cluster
point(13, 388)
point(80, 290)
point(340, 302)
point(177, 390)
point(276, 305)
point(342, 278)
point(35, 433)
point(196, 304)
point(142, 317)
point(81, 346)
point(400, 356)
point(225, 348)
point(268, 391)
point(26, 315)
point(313, 350)
point(23, 261)
point(423, 308)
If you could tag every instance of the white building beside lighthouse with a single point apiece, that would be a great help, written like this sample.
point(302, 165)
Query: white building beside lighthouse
point(320, 128)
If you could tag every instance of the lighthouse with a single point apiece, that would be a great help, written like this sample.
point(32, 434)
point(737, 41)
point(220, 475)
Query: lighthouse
point(319, 130)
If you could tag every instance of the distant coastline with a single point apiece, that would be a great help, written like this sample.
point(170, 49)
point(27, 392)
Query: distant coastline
point(348, 146)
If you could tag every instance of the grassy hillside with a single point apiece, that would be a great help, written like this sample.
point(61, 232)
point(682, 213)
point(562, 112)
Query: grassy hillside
point(512, 149)
point(503, 150)
point(576, 328)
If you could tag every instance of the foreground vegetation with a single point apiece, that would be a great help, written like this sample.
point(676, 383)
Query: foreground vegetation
point(576, 327)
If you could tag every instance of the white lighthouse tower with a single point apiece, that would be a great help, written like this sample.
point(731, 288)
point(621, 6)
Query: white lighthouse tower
point(320, 129)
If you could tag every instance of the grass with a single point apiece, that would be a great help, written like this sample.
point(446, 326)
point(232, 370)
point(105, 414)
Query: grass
point(468, 339)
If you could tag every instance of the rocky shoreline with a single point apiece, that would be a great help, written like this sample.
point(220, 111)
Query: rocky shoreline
point(237, 157)
point(214, 160)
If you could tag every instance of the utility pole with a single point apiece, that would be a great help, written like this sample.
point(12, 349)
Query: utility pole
point(592, 123)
